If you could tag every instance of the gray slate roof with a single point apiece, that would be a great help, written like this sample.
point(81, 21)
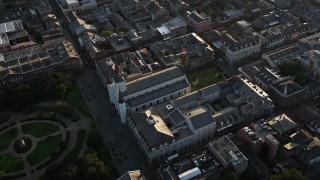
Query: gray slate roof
point(153, 79)
point(150, 96)
point(200, 117)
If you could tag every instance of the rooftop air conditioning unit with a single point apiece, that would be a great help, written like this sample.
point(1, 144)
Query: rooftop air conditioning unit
point(169, 107)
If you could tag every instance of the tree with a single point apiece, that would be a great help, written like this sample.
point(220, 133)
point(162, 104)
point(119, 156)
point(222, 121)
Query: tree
point(72, 172)
point(61, 90)
point(290, 68)
point(94, 168)
point(301, 78)
point(3, 99)
point(20, 96)
point(249, 173)
point(106, 32)
point(1, 174)
point(229, 175)
point(292, 174)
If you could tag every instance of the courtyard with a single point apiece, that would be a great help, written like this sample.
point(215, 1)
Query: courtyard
point(204, 77)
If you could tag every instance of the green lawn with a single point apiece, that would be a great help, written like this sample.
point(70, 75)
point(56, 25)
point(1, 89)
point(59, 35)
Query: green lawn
point(74, 98)
point(205, 78)
point(39, 129)
point(7, 137)
point(44, 149)
point(10, 164)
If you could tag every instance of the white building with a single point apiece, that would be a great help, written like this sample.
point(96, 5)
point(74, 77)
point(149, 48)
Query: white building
point(137, 90)
point(243, 49)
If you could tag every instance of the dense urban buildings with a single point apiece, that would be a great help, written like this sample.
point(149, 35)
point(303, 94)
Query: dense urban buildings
point(179, 89)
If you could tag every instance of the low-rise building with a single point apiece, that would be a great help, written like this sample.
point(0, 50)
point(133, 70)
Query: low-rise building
point(310, 42)
point(190, 51)
point(283, 90)
point(52, 37)
point(310, 62)
point(160, 137)
point(297, 139)
point(282, 3)
point(228, 154)
point(309, 153)
point(282, 125)
point(11, 34)
point(198, 164)
point(32, 62)
point(252, 101)
point(132, 175)
point(287, 92)
point(234, 48)
point(309, 118)
point(198, 22)
point(281, 55)
point(263, 139)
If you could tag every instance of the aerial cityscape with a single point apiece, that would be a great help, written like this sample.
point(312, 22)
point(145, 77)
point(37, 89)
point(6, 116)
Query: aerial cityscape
point(159, 89)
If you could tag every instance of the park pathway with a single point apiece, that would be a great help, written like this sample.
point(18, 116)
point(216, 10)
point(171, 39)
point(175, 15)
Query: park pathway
point(73, 127)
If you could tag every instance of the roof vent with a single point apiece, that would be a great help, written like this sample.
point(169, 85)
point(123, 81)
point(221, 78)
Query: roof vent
point(169, 107)
point(151, 121)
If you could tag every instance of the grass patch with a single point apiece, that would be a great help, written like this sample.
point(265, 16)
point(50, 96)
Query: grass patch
point(205, 78)
point(4, 117)
point(7, 137)
point(39, 129)
point(44, 149)
point(74, 98)
point(10, 164)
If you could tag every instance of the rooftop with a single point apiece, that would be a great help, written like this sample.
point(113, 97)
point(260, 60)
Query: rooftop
point(282, 124)
point(11, 26)
point(197, 17)
point(153, 79)
point(150, 96)
point(298, 139)
point(227, 151)
point(152, 128)
point(132, 175)
point(286, 52)
point(203, 159)
point(227, 117)
point(199, 117)
point(287, 87)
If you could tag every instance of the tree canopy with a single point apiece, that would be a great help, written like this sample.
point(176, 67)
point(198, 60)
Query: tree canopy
point(53, 85)
point(292, 174)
